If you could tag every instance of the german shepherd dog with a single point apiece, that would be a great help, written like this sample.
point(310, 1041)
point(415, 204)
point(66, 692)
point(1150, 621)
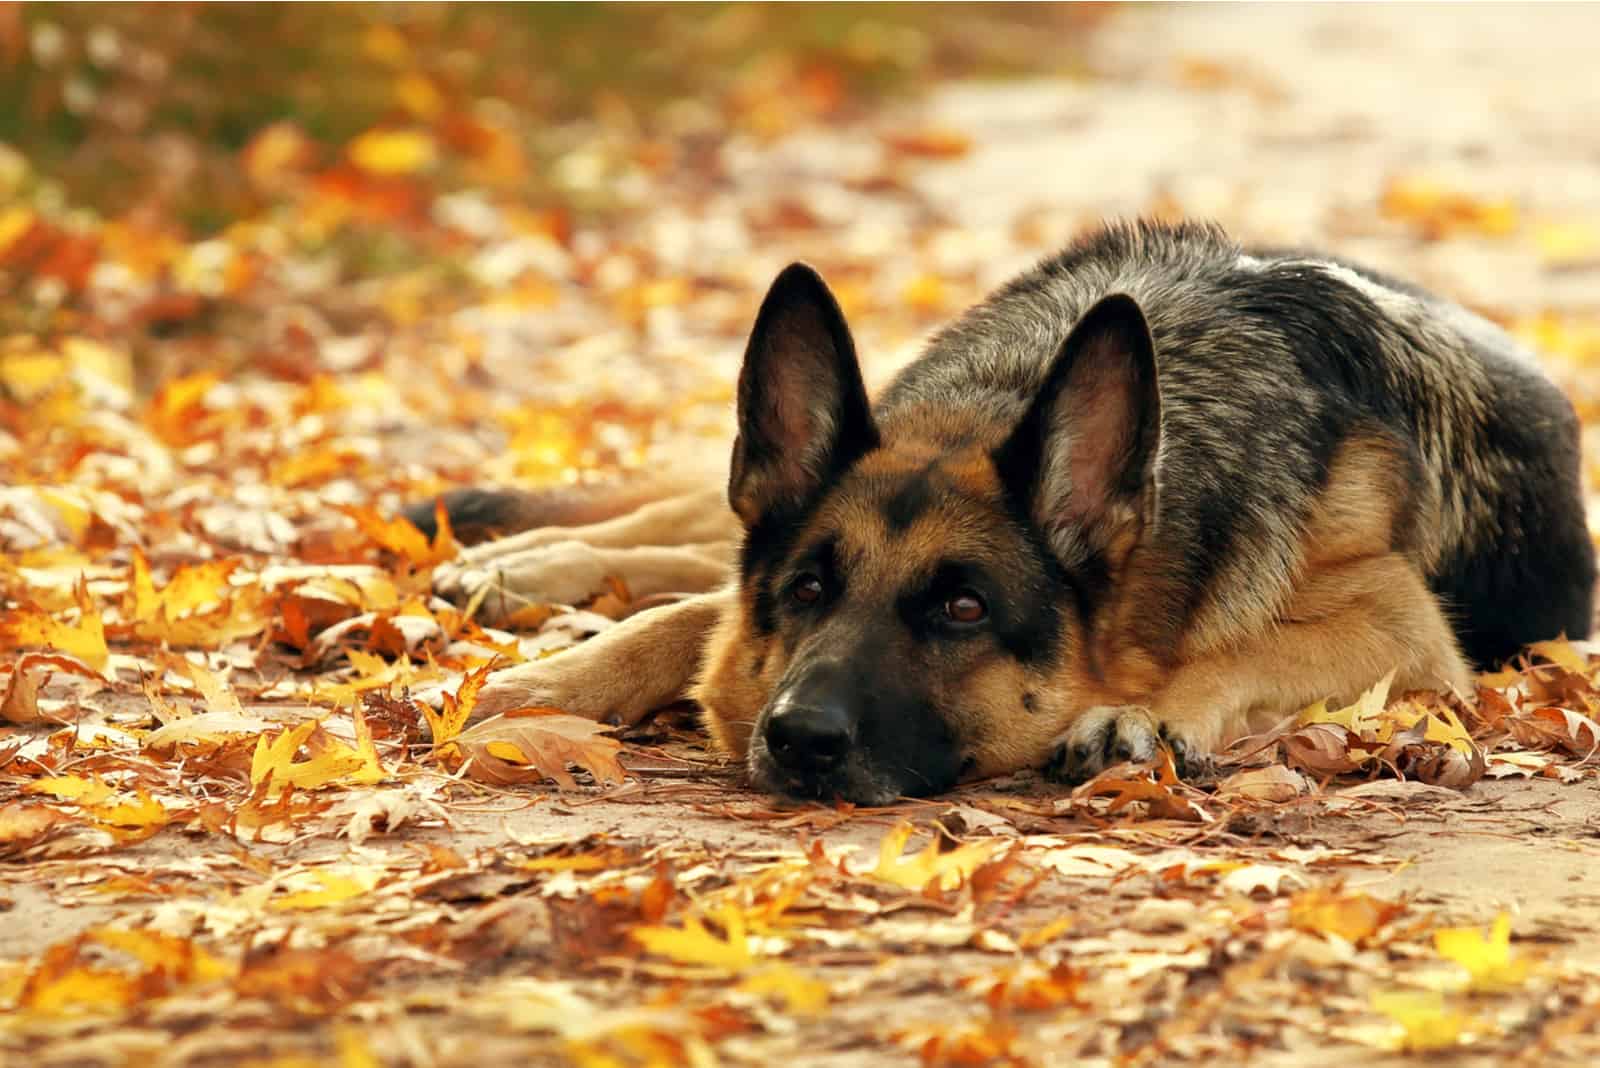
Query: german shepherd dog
point(1159, 490)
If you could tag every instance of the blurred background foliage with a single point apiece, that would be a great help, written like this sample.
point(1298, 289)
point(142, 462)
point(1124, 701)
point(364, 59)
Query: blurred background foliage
point(189, 152)
point(156, 108)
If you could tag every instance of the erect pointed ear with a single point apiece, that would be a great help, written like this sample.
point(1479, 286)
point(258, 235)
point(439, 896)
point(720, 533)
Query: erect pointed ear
point(1081, 462)
point(803, 414)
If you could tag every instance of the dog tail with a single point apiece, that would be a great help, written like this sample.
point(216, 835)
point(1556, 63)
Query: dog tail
point(477, 515)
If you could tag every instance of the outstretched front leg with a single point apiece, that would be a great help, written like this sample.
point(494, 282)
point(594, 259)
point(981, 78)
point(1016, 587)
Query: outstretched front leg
point(620, 675)
point(680, 545)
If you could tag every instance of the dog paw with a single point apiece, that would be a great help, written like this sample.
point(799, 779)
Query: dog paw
point(570, 687)
point(566, 572)
point(1102, 737)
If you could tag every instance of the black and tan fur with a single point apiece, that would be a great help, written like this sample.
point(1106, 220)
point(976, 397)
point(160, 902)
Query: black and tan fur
point(1191, 488)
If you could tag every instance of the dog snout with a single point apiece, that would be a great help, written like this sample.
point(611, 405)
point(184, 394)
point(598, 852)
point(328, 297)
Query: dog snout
point(808, 736)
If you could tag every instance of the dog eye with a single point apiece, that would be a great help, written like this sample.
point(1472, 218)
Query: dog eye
point(966, 607)
point(807, 589)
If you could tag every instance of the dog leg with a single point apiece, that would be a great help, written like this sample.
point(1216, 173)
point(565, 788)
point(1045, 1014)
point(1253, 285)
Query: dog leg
point(689, 519)
point(570, 572)
point(621, 674)
point(1347, 626)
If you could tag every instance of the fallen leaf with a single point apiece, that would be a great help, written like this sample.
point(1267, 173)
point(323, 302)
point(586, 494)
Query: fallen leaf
point(1487, 957)
point(86, 639)
point(538, 744)
point(930, 869)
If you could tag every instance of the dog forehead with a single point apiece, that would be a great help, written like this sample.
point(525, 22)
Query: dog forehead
point(901, 511)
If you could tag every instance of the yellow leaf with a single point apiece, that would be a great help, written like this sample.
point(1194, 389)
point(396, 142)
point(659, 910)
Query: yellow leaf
point(694, 944)
point(418, 95)
point(73, 788)
point(1488, 959)
point(86, 639)
point(448, 723)
point(1426, 1021)
point(142, 813)
point(176, 956)
point(320, 888)
point(394, 152)
point(1359, 718)
point(1568, 244)
point(332, 763)
point(14, 222)
point(1560, 651)
point(198, 605)
point(930, 868)
point(801, 993)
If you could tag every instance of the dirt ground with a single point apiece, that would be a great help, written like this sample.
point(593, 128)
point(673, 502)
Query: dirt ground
point(473, 923)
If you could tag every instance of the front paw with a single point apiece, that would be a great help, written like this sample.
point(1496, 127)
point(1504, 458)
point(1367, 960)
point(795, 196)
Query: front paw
point(1101, 737)
point(566, 572)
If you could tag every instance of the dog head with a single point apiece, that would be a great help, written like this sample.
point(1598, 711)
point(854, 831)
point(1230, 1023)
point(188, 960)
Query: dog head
point(917, 589)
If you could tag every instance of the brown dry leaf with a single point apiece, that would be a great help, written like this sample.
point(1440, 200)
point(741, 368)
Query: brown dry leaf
point(1272, 783)
point(932, 143)
point(24, 826)
point(1556, 728)
point(28, 625)
point(1159, 798)
point(538, 744)
point(20, 703)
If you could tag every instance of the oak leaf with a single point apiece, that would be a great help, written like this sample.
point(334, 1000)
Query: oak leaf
point(537, 744)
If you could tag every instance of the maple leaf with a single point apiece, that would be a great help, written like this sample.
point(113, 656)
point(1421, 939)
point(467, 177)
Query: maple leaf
point(930, 869)
point(197, 606)
point(446, 724)
point(1487, 958)
point(86, 640)
point(400, 536)
point(332, 762)
point(536, 744)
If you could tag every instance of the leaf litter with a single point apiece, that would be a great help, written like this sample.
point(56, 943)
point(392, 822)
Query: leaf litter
point(245, 833)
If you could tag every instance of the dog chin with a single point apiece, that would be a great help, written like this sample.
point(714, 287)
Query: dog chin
point(854, 783)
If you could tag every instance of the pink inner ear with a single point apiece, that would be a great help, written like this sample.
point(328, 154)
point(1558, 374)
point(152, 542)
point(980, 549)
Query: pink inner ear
point(1099, 412)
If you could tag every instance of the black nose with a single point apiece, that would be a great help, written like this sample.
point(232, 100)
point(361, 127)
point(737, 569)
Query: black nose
point(809, 737)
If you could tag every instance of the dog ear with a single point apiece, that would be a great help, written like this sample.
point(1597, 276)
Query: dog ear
point(1081, 462)
point(803, 413)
